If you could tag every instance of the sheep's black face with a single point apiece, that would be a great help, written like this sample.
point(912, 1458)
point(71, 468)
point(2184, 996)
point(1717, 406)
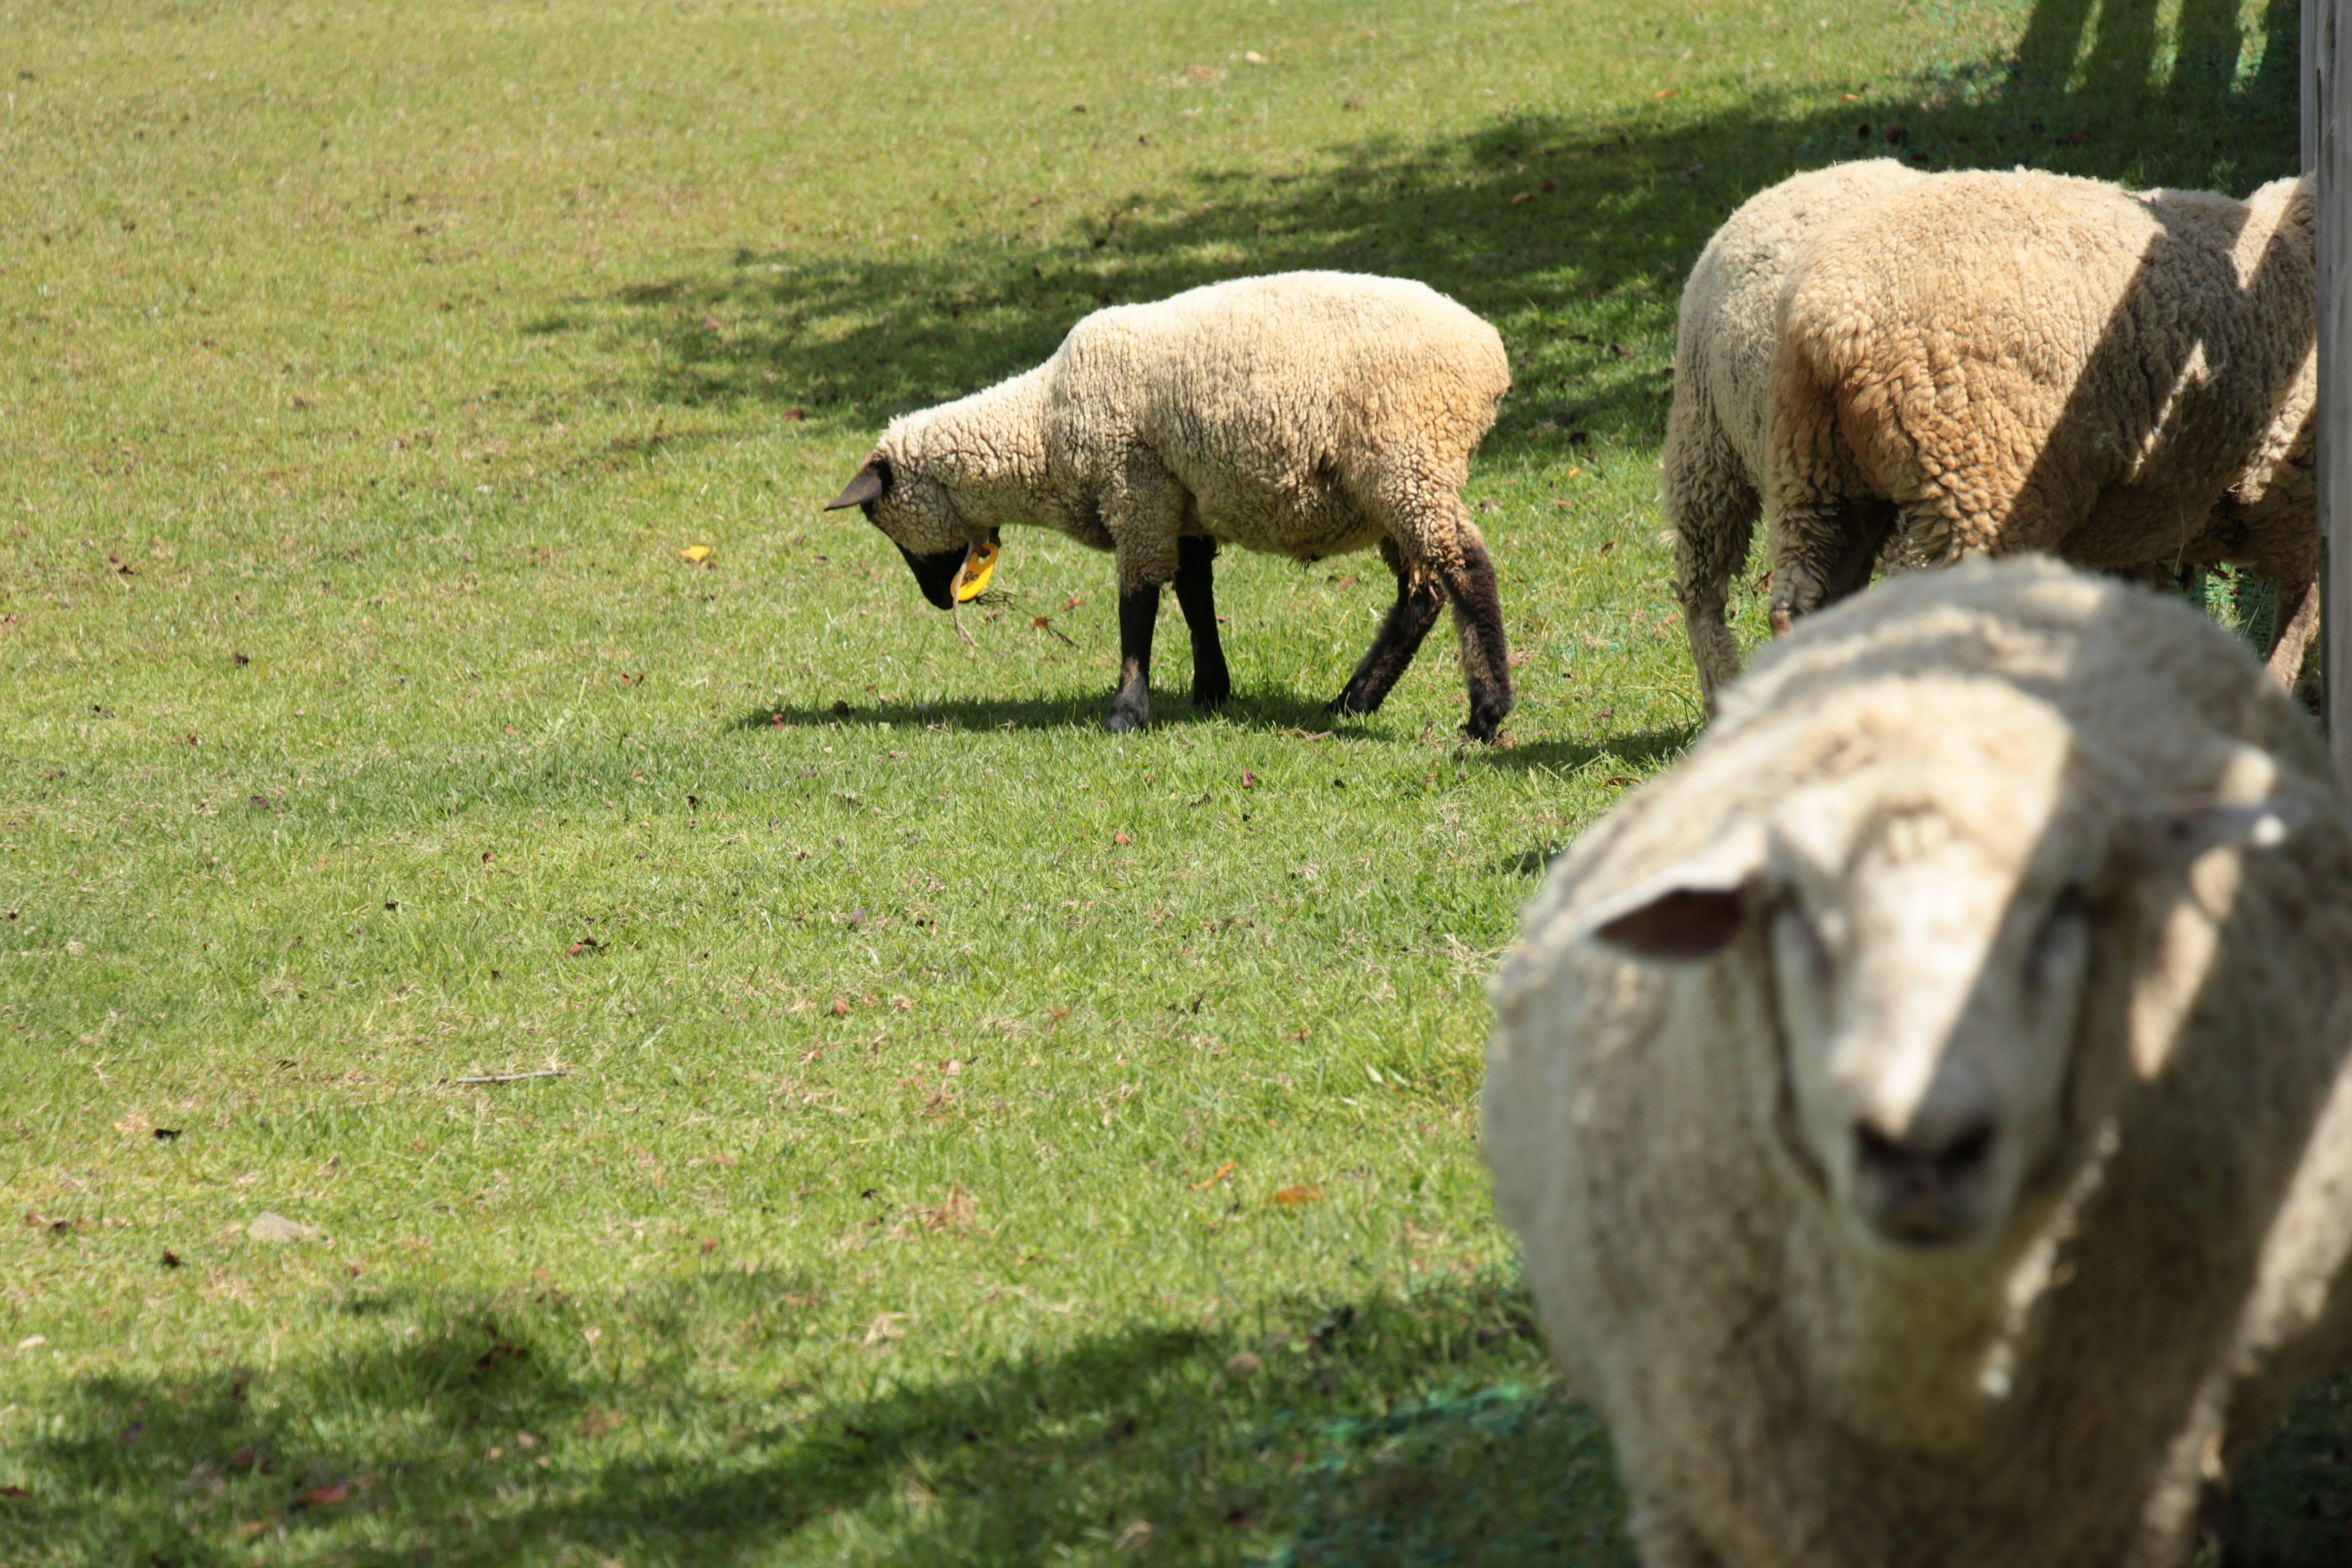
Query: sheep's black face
point(917, 515)
point(936, 575)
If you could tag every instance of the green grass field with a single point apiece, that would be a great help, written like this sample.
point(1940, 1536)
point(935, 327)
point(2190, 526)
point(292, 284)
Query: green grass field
point(983, 1141)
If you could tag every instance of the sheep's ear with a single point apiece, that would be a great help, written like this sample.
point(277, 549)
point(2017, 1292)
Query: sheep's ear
point(1689, 911)
point(872, 483)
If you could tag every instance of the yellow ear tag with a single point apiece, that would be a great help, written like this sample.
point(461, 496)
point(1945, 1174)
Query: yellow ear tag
point(979, 565)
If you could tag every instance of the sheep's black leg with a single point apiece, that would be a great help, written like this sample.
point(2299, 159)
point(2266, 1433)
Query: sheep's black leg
point(1138, 614)
point(1486, 656)
point(1196, 596)
point(1391, 653)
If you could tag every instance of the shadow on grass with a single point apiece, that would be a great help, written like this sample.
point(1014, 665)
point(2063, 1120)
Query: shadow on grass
point(416, 1449)
point(1266, 708)
point(1640, 748)
point(1572, 234)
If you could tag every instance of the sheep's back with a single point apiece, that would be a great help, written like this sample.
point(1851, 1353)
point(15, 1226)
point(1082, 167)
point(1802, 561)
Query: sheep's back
point(1728, 325)
point(1268, 396)
point(2029, 347)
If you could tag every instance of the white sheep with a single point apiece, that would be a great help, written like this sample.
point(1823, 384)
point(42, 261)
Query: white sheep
point(1992, 363)
point(1712, 471)
point(1307, 414)
point(1926, 1110)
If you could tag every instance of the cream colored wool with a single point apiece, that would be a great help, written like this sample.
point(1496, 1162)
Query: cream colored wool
point(1713, 467)
point(1305, 414)
point(2093, 773)
point(2029, 362)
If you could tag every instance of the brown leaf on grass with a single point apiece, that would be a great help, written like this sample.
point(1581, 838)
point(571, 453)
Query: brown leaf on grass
point(841, 1006)
point(1249, 779)
point(795, 412)
point(1294, 1196)
point(170, 1259)
point(952, 1212)
point(324, 1497)
point(242, 1460)
point(13, 1492)
point(251, 1529)
point(1522, 198)
point(1221, 1172)
point(1121, 838)
point(886, 1328)
point(1668, 92)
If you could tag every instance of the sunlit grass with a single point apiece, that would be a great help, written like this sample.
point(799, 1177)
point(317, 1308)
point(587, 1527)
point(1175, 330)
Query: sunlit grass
point(952, 1091)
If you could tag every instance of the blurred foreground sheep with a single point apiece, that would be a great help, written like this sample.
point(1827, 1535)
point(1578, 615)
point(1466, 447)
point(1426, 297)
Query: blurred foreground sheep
point(1927, 1110)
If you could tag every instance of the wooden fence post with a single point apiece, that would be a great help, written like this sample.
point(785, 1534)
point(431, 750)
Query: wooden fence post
point(2327, 58)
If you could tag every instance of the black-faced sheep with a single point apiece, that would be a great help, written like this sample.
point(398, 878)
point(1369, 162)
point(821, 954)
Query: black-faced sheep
point(1307, 414)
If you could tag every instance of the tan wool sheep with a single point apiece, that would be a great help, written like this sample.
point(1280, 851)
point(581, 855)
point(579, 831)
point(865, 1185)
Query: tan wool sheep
point(1993, 363)
point(1307, 414)
point(1927, 1110)
point(1712, 471)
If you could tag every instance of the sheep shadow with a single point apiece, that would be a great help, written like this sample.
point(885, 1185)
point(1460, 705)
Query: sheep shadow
point(1265, 709)
point(492, 1437)
point(1644, 749)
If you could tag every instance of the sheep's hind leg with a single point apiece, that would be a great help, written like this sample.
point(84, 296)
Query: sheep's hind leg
point(1196, 596)
point(1401, 636)
point(1826, 552)
point(1479, 616)
point(2295, 622)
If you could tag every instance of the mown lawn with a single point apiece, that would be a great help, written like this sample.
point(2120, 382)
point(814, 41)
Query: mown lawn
point(982, 1140)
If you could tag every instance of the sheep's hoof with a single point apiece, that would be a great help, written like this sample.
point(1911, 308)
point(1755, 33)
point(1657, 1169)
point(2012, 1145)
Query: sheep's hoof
point(1351, 702)
point(1125, 720)
point(1209, 698)
point(1485, 726)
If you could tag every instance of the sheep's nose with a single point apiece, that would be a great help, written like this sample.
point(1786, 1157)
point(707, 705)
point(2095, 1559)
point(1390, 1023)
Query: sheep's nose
point(1917, 1186)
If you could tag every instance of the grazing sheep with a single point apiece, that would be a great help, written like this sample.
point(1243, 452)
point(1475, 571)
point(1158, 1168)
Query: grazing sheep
point(1307, 413)
point(1927, 1110)
point(1713, 467)
point(1992, 363)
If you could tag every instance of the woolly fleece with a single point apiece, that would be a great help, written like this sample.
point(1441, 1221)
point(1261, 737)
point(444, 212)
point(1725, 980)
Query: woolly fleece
point(1713, 467)
point(1783, 1395)
point(1307, 413)
point(2024, 361)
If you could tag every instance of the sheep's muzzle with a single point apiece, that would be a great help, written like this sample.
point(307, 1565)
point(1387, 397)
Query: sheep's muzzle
point(936, 575)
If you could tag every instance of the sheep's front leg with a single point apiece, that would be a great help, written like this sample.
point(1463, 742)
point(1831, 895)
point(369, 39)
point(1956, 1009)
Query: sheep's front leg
point(1401, 636)
point(1195, 596)
point(1143, 510)
point(1139, 612)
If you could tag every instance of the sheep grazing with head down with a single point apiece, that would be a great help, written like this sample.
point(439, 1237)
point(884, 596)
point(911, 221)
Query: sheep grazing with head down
point(1712, 471)
point(1927, 1110)
point(1307, 414)
point(1989, 363)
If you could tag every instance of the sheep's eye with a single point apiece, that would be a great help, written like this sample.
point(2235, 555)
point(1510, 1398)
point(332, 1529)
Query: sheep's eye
point(1797, 939)
point(2061, 938)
